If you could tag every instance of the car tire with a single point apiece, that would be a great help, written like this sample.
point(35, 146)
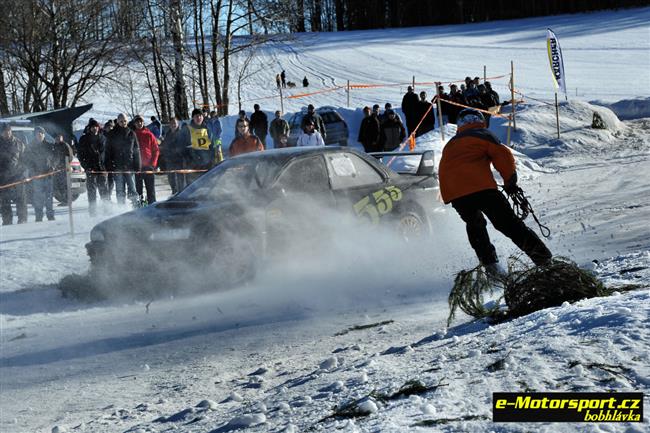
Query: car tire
point(234, 262)
point(412, 226)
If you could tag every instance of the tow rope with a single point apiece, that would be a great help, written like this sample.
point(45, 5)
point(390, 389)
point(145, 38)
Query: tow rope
point(522, 208)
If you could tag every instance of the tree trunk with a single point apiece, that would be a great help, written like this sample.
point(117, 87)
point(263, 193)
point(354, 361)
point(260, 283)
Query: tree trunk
point(4, 106)
point(216, 11)
point(300, 15)
point(316, 16)
point(339, 9)
point(180, 89)
point(226, 58)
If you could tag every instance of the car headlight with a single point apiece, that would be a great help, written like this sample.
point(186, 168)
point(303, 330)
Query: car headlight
point(96, 235)
point(170, 234)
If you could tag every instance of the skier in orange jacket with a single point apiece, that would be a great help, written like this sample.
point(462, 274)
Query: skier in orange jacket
point(467, 183)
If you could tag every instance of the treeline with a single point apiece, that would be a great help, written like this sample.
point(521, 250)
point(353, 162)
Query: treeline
point(374, 14)
point(170, 55)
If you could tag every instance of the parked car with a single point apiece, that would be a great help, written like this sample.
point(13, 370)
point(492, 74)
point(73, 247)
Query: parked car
point(251, 209)
point(24, 131)
point(337, 129)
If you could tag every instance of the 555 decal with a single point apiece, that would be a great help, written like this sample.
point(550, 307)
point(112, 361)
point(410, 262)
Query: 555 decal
point(378, 203)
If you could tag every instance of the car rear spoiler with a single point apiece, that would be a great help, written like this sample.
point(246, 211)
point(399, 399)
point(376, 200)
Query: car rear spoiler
point(427, 164)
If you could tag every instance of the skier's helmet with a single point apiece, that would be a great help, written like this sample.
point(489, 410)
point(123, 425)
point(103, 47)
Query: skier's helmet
point(469, 115)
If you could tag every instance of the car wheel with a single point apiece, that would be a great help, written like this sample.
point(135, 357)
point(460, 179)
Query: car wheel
point(233, 263)
point(411, 226)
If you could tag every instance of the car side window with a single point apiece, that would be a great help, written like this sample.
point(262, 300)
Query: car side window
point(329, 117)
point(305, 175)
point(350, 171)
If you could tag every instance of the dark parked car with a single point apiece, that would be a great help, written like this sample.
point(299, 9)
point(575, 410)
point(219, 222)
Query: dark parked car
point(250, 209)
point(337, 129)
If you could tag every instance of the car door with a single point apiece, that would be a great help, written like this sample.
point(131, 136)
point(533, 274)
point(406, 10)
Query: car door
point(303, 200)
point(360, 189)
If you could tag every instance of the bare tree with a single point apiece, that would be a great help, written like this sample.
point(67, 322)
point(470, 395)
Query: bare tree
point(54, 42)
point(245, 71)
point(180, 89)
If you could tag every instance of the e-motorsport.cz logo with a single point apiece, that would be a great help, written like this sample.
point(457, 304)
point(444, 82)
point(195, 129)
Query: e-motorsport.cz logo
point(567, 407)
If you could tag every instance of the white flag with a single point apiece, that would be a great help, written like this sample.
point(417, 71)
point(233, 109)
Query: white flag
point(555, 59)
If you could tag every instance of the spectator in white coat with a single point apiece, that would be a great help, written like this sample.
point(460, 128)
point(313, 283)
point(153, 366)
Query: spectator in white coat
point(309, 136)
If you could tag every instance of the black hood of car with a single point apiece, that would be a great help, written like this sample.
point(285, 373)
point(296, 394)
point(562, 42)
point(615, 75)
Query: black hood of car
point(176, 213)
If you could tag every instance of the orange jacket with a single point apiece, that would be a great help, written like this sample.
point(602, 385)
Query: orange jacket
point(245, 144)
point(465, 165)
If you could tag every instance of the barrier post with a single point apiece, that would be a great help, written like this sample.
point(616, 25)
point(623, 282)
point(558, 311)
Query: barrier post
point(442, 132)
point(68, 184)
point(512, 94)
point(509, 128)
point(413, 83)
point(557, 116)
point(484, 73)
point(348, 93)
point(281, 101)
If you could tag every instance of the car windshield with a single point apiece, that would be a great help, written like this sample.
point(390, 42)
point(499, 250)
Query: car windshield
point(238, 176)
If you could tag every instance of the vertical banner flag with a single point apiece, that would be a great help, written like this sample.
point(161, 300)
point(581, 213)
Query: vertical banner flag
point(555, 59)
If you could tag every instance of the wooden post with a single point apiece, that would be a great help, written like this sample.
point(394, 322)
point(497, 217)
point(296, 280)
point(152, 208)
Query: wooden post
point(509, 128)
point(484, 73)
point(557, 116)
point(442, 131)
point(348, 93)
point(281, 101)
point(68, 184)
point(512, 94)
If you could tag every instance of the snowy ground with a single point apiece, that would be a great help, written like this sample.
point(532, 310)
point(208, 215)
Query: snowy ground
point(282, 353)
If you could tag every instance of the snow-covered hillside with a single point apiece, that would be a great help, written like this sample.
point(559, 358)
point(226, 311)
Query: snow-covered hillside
point(302, 342)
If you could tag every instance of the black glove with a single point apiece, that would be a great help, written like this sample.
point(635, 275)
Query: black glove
point(511, 187)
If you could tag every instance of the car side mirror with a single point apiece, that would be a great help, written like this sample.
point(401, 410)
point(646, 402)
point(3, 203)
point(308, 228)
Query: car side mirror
point(427, 165)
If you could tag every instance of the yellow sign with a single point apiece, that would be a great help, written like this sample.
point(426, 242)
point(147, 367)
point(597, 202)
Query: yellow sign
point(200, 138)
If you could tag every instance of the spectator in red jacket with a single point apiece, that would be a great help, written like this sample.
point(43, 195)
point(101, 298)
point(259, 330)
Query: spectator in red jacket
point(149, 152)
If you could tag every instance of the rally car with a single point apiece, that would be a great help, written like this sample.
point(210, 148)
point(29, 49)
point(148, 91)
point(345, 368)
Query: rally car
point(251, 208)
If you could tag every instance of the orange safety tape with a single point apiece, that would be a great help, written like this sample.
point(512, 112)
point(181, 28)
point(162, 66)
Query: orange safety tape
point(302, 95)
point(183, 171)
point(352, 86)
point(505, 116)
point(29, 179)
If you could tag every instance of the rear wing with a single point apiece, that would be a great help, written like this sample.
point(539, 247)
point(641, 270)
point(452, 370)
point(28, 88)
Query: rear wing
point(418, 163)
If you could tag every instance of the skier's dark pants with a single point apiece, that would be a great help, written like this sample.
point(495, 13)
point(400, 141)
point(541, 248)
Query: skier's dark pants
point(96, 182)
point(17, 194)
point(496, 207)
point(149, 183)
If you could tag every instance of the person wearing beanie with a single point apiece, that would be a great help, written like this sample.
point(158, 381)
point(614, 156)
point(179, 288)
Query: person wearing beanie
point(200, 150)
point(123, 158)
point(39, 159)
point(149, 152)
point(92, 156)
point(12, 169)
point(319, 124)
point(392, 132)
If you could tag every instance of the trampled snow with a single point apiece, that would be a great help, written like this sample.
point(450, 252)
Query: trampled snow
point(322, 335)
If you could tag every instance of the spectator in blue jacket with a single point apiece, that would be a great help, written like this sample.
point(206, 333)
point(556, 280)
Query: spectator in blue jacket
point(155, 127)
point(214, 128)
